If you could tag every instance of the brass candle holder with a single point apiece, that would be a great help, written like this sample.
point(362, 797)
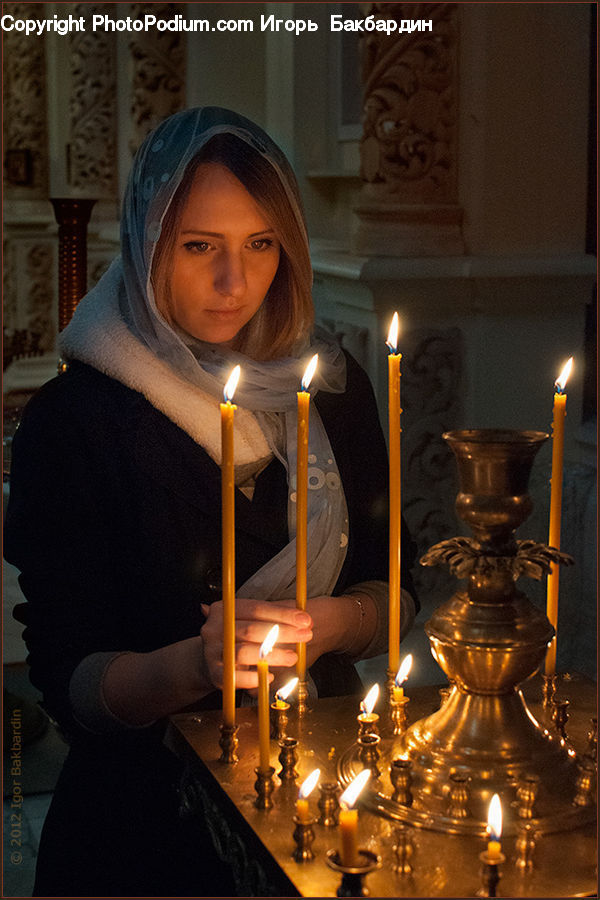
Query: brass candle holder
point(353, 877)
point(279, 719)
point(329, 804)
point(525, 846)
point(264, 786)
point(398, 715)
point(369, 753)
point(288, 757)
point(527, 791)
point(367, 724)
point(228, 742)
point(549, 687)
point(560, 716)
point(401, 777)
point(490, 876)
point(458, 796)
point(404, 849)
point(586, 782)
point(304, 836)
point(302, 697)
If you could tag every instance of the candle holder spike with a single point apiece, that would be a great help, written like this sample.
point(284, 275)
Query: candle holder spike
point(228, 742)
point(329, 803)
point(353, 877)
point(288, 757)
point(264, 786)
point(304, 836)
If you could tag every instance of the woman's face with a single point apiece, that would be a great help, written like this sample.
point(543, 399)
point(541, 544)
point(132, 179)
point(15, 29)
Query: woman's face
point(225, 258)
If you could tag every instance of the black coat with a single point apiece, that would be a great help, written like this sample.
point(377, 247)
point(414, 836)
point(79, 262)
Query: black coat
point(114, 522)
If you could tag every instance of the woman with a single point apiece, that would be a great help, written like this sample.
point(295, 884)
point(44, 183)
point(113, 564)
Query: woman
point(114, 514)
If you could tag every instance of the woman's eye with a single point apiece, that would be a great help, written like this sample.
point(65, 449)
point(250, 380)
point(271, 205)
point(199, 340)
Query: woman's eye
point(197, 246)
point(261, 244)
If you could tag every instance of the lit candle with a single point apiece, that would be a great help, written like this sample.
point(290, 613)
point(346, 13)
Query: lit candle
point(306, 788)
point(264, 746)
point(558, 442)
point(368, 705)
point(494, 827)
point(283, 693)
point(228, 547)
point(349, 819)
point(394, 411)
point(302, 502)
point(401, 677)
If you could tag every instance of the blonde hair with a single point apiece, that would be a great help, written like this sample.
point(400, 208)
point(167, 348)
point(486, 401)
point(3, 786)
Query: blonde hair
point(287, 312)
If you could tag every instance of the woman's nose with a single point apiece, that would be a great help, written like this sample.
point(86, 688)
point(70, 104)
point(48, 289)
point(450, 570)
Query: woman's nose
point(230, 277)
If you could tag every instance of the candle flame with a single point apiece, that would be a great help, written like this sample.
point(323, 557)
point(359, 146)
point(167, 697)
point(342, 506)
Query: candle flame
point(350, 795)
point(286, 690)
point(367, 705)
point(495, 818)
point(267, 644)
point(564, 375)
point(309, 372)
point(392, 340)
point(231, 385)
point(309, 785)
point(404, 669)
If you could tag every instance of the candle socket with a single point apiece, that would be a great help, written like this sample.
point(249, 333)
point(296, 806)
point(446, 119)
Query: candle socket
point(352, 884)
point(367, 724)
point(560, 716)
point(228, 742)
point(401, 777)
point(549, 686)
point(525, 846)
point(527, 790)
point(263, 786)
point(490, 876)
point(404, 850)
point(279, 720)
point(302, 697)
point(329, 804)
point(288, 757)
point(398, 715)
point(585, 786)
point(369, 753)
point(458, 796)
point(304, 836)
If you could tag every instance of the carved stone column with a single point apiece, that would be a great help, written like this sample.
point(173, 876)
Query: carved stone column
point(158, 88)
point(408, 204)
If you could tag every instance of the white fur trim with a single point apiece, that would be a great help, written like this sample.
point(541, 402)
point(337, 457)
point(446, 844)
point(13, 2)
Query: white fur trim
point(99, 337)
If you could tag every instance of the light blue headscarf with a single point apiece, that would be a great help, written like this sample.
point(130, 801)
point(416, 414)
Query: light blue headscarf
point(266, 388)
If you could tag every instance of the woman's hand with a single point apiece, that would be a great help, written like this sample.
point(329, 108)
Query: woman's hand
point(253, 621)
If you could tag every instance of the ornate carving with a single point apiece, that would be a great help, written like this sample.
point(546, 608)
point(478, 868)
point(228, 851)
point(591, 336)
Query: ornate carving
point(92, 164)
point(159, 71)
point(431, 374)
point(40, 313)
point(409, 138)
point(24, 98)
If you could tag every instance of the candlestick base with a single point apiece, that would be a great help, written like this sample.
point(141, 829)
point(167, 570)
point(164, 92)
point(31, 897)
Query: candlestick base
point(490, 876)
point(228, 743)
point(329, 803)
point(549, 686)
point(279, 721)
point(302, 697)
point(263, 786)
point(288, 757)
point(352, 884)
point(304, 836)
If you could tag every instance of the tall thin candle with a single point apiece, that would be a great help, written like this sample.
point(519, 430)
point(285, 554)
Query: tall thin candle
point(394, 412)
point(228, 547)
point(302, 503)
point(264, 746)
point(556, 484)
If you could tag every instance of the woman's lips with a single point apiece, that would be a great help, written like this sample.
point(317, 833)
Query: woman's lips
point(224, 313)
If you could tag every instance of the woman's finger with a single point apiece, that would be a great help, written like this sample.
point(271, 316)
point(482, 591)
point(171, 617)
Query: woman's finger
point(276, 613)
point(247, 655)
point(255, 632)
